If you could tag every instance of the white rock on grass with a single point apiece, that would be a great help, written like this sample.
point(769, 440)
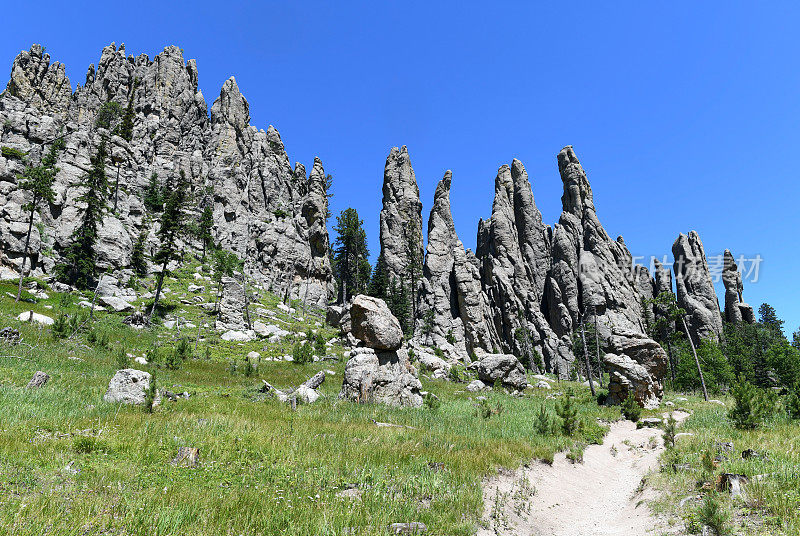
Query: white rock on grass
point(543, 385)
point(238, 336)
point(128, 387)
point(118, 304)
point(253, 355)
point(476, 385)
point(30, 316)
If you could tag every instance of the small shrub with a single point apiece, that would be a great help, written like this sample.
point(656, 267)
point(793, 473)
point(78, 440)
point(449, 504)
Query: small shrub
point(64, 300)
point(302, 353)
point(438, 352)
point(485, 409)
point(60, 328)
point(670, 428)
point(568, 413)
point(450, 337)
point(85, 444)
point(793, 404)
point(751, 405)
point(432, 401)
point(631, 409)
point(150, 394)
point(208, 354)
point(575, 454)
point(456, 374)
point(543, 422)
point(248, 368)
point(10, 152)
point(319, 345)
point(280, 213)
point(714, 515)
point(602, 396)
point(707, 462)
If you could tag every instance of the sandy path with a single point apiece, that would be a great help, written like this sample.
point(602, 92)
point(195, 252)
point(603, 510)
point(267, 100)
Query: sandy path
point(601, 497)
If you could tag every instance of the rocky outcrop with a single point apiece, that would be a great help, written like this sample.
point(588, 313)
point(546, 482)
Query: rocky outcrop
point(381, 377)
point(513, 251)
point(736, 311)
point(374, 324)
point(504, 368)
point(401, 219)
point(453, 309)
point(231, 306)
point(592, 275)
point(264, 210)
point(695, 289)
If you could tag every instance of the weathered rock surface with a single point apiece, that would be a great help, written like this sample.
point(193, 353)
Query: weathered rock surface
point(503, 367)
point(736, 311)
point(39, 379)
point(636, 364)
point(400, 218)
point(231, 306)
point(374, 324)
point(695, 289)
point(264, 210)
point(514, 255)
point(382, 377)
point(128, 386)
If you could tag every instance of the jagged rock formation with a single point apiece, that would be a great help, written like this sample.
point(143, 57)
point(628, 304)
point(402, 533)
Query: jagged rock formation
point(400, 219)
point(513, 251)
point(695, 289)
point(736, 311)
point(636, 365)
point(265, 211)
point(592, 274)
point(452, 310)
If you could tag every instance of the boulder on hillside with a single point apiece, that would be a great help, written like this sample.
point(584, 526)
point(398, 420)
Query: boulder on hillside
point(128, 386)
point(503, 367)
point(30, 316)
point(39, 379)
point(636, 364)
point(374, 324)
point(383, 377)
point(118, 304)
point(432, 362)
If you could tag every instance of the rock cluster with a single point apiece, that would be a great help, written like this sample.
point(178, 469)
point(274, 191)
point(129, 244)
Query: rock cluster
point(736, 311)
point(380, 372)
point(264, 210)
point(695, 288)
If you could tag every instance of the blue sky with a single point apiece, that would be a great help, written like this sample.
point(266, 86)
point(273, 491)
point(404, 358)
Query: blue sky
point(685, 116)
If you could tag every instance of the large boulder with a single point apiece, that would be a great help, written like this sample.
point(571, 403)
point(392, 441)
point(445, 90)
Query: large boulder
point(128, 386)
point(503, 367)
point(231, 305)
point(374, 324)
point(382, 377)
point(636, 364)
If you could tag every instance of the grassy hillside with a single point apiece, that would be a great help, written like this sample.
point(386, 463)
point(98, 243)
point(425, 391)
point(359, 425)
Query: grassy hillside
point(71, 463)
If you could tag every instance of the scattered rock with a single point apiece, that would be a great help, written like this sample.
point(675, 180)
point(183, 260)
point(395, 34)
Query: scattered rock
point(128, 387)
point(39, 379)
point(10, 335)
point(118, 304)
point(187, 457)
point(30, 316)
point(649, 422)
point(414, 527)
point(382, 377)
point(475, 385)
point(238, 336)
point(503, 367)
point(543, 385)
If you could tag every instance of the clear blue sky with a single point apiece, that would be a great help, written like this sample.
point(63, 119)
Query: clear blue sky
point(685, 116)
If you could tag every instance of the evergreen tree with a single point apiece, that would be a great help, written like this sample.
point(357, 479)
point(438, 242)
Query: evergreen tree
point(107, 115)
point(768, 317)
point(138, 258)
point(171, 229)
point(796, 339)
point(379, 283)
point(329, 195)
point(204, 229)
point(78, 267)
point(38, 181)
point(414, 267)
point(352, 268)
point(399, 303)
point(126, 127)
point(153, 198)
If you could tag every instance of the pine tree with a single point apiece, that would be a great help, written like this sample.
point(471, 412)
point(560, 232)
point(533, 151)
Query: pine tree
point(768, 317)
point(38, 181)
point(379, 283)
point(171, 229)
point(138, 258)
point(413, 267)
point(204, 229)
point(126, 127)
point(352, 268)
point(152, 198)
point(399, 303)
point(78, 267)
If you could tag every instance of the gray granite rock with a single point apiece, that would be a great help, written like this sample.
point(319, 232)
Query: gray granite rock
point(695, 288)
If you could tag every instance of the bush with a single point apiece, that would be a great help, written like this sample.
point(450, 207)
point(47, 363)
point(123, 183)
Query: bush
point(543, 422)
point(122, 358)
point(87, 444)
point(280, 213)
point(432, 401)
point(602, 396)
point(717, 371)
point(714, 515)
point(150, 394)
point(793, 403)
point(670, 427)
point(302, 353)
point(60, 328)
point(575, 454)
point(248, 369)
point(631, 409)
point(319, 345)
point(456, 374)
point(450, 337)
point(568, 413)
point(10, 152)
point(751, 405)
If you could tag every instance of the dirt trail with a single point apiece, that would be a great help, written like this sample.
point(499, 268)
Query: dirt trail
point(603, 496)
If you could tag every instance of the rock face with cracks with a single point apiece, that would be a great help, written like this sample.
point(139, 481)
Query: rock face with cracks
point(695, 288)
point(264, 209)
point(736, 311)
point(374, 324)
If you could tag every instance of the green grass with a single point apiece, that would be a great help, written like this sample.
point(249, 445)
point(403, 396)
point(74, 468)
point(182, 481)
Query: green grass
point(72, 464)
point(770, 505)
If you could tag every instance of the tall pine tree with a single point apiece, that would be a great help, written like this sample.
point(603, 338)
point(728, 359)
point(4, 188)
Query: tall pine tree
point(205, 227)
point(169, 233)
point(79, 265)
point(38, 182)
point(379, 284)
point(351, 267)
